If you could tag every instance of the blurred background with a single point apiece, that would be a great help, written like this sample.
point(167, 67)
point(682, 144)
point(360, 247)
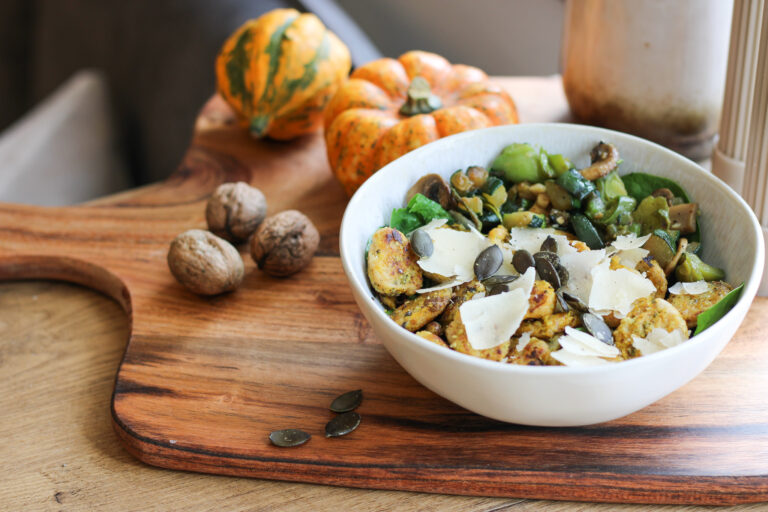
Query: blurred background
point(104, 93)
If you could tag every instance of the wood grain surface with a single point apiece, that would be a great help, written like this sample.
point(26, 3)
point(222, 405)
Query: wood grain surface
point(203, 381)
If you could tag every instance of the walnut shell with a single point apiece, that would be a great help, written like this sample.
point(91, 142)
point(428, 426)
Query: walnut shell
point(205, 263)
point(235, 210)
point(284, 243)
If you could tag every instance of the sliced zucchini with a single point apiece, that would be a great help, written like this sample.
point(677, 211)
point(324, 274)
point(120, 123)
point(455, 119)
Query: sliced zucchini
point(660, 248)
point(523, 220)
point(586, 232)
point(494, 191)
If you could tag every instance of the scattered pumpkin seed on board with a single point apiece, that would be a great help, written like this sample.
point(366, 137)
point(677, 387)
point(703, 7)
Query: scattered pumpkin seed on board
point(348, 401)
point(342, 424)
point(289, 437)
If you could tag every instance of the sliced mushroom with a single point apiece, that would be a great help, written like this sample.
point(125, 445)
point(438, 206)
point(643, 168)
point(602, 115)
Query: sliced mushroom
point(433, 187)
point(605, 158)
point(681, 245)
point(665, 193)
point(683, 217)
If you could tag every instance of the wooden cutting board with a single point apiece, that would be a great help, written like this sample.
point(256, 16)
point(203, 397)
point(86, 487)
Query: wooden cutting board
point(204, 380)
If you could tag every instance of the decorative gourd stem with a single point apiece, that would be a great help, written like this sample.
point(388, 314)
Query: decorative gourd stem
point(259, 125)
point(420, 99)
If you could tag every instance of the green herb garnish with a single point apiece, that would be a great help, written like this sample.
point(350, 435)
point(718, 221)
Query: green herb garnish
point(420, 211)
point(718, 311)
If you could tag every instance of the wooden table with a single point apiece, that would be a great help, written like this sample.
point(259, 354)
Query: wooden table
point(60, 346)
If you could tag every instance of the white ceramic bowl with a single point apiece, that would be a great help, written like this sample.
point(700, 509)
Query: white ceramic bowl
point(555, 396)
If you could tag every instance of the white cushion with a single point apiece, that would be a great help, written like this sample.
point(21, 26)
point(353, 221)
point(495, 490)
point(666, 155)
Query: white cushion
point(63, 151)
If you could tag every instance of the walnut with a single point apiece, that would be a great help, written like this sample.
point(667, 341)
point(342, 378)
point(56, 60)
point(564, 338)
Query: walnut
point(284, 243)
point(235, 210)
point(205, 263)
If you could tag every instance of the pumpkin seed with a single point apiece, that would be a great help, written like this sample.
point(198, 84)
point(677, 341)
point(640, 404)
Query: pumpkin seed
point(497, 289)
point(522, 261)
point(462, 220)
point(574, 302)
point(342, 424)
point(549, 245)
point(494, 280)
point(547, 272)
point(488, 262)
point(289, 437)
point(348, 401)
point(563, 273)
point(422, 243)
point(562, 305)
point(597, 328)
point(553, 258)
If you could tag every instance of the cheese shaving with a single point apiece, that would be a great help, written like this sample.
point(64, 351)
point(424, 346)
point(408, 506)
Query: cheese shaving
point(631, 257)
point(522, 342)
point(579, 266)
point(442, 286)
point(616, 290)
point(628, 242)
point(571, 359)
point(658, 339)
point(454, 252)
point(490, 321)
point(531, 240)
point(582, 349)
point(694, 288)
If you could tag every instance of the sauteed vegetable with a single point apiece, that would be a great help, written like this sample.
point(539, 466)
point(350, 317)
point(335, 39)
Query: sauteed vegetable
point(532, 261)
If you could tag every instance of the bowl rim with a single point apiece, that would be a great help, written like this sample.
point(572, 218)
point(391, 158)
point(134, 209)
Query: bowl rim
point(749, 290)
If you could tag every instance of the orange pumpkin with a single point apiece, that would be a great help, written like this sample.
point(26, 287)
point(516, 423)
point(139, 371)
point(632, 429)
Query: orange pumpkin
point(390, 107)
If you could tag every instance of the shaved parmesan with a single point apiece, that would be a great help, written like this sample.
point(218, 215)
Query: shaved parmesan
point(434, 223)
point(695, 288)
point(571, 359)
point(616, 290)
point(490, 321)
point(531, 240)
point(631, 257)
point(522, 342)
point(628, 242)
point(579, 266)
point(525, 282)
point(582, 349)
point(586, 344)
point(454, 252)
point(658, 339)
point(629, 249)
point(442, 286)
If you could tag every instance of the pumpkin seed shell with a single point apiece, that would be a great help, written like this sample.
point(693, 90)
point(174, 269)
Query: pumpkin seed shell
point(422, 243)
point(462, 220)
point(488, 262)
point(348, 401)
point(549, 245)
point(497, 289)
point(289, 437)
point(574, 302)
point(553, 258)
point(547, 272)
point(597, 328)
point(494, 280)
point(342, 424)
point(563, 273)
point(522, 261)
